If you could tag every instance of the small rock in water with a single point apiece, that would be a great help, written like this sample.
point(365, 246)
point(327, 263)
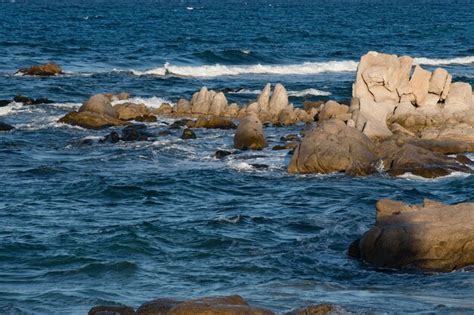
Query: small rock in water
point(112, 137)
point(221, 154)
point(48, 69)
point(178, 124)
point(30, 101)
point(5, 126)
point(290, 137)
point(188, 134)
point(135, 133)
point(146, 118)
point(4, 103)
point(259, 166)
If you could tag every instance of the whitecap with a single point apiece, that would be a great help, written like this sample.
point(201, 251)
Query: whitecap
point(305, 92)
point(152, 102)
point(10, 108)
point(411, 176)
point(440, 62)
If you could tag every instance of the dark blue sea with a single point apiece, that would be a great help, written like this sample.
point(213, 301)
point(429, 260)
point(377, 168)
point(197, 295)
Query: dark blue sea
point(82, 225)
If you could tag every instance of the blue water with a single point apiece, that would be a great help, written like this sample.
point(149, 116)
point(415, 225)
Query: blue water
point(89, 224)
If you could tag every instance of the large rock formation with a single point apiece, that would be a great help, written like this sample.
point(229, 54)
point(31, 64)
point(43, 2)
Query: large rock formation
point(48, 69)
point(431, 236)
point(249, 134)
point(334, 147)
point(385, 91)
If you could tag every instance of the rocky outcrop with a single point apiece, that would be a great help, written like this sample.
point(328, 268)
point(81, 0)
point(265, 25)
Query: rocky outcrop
point(131, 111)
point(334, 147)
point(332, 109)
point(249, 134)
point(48, 69)
point(96, 113)
point(385, 91)
point(432, 236)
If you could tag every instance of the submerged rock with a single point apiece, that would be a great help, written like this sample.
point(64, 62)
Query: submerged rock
point(30, 101)
point(249, 134)
point(432, 236)
point(5, 127)
point(48, 69)
point(221, 154)
point(135, 133)
point(188, 134)
point(334, 147)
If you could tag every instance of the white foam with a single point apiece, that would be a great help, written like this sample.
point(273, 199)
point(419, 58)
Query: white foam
point(152, 102)
point(411, 176)
point(306, 92)
point(233, 70)
point(439, 62)
point(10, 108)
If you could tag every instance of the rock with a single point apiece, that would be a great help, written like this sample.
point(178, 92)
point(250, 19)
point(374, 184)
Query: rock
point(99, 104)
point(291, 137)
point(157, 307)
point(90, 120)
point(232, 110)
point(459, 98)
point(252, 108)
point(122, 96)
point(332, 109)
point(146, 118)
point(263, 99)
point(320, 309)
point(178, 124)
point(438, 81)
point(279, 100)
point(214, 122)
point(188, 134)
point(30, 101)
point(219, 105)
point(308, 105)
point(112, 137)
point(420, 84)
point(5, 127)
point(287, 117)
point(130, 111)
point(431, 236)
point(165, 109)
point(48, 69)
point(453, 139)
point(334, 147)
point(111, 310)
point(219, 305)
point(4, 102)
point(249, 134)
point(371, 118)
point(183, 107)
point(201, 101)
point(409, 158)
point(137, 132)
point(287, 146)
point(221, 154)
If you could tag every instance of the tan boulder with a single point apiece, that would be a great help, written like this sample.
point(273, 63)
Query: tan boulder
point(279, 100)
point(201, 101)
point(287, 117)
point(219, 305)
point(334, 147)
point(90, 120)
point(263, 99)
point(48, 69)
point(249, 134)
point(99, 104)
point(459, 98)
point(183, 106)
point(420, 84)
point(232, 110)
point(432, 236)
point(218, 105)
point(213, 122)
point(332, 109)
point(129, 111)
point(438, 81)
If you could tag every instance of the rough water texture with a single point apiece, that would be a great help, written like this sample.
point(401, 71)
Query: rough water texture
point(128, 222)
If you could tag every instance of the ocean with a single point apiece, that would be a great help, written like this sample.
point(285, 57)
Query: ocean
point(83, 225)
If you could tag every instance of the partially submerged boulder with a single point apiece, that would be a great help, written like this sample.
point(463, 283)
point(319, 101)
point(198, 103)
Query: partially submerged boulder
point(212, 122)
point(334, 147)
point(131, 111)
point(5, 126)
point(249, 134)
point(48, 69)
point(432, 236)
point(90, 120)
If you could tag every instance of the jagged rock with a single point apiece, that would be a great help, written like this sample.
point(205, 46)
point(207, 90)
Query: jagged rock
point(48, 69)
point(90, 120)
point(371, 118)
point(459, 98)
point(249, 134)
point(165, 109)
point(111, 310)
point(431, 236)
point(419, 84)
point(201, 101)
point(188, 134)
point(99, 104)
point(5, 127)
point(279, 100)
point(130, 111)
point(334, 147)
point(438, 81)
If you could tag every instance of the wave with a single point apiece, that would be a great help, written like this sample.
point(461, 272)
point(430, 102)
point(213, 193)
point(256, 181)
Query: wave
point(153, 102)
point(217, 70)
point(440, 62)
point(305, 92)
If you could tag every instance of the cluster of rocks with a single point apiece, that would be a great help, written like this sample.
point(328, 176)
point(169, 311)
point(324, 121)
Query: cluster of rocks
point(431, 236)
point(48, 69)
point(388, 91)
point(215, 305)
